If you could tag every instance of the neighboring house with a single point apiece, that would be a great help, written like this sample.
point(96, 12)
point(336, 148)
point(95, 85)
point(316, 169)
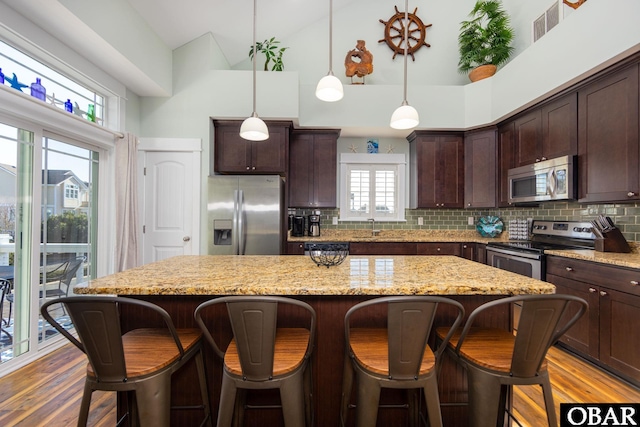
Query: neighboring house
point(7, 199)
point(63, 191)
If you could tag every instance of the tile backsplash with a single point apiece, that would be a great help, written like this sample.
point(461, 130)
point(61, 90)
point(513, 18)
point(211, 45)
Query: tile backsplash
point(626, 216)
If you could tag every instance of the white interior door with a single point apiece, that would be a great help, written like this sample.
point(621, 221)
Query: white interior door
point(171, 202)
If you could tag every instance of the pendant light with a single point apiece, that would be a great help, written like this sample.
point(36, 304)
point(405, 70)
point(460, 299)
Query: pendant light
point(405, 116)
point(253, 128)
point(329, 87)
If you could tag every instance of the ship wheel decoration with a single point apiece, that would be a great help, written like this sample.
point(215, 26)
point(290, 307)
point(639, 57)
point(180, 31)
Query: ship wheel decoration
point(394, 33)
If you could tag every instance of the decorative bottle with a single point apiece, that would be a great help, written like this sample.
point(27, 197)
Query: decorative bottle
point(1, 77)
point(91, 113)
point(68, 106)
point(38, 91)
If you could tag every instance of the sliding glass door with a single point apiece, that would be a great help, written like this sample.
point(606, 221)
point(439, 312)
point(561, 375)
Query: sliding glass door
point(45, 249)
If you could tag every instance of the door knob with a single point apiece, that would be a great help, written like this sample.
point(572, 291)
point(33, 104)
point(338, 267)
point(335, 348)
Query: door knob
point(186, 238)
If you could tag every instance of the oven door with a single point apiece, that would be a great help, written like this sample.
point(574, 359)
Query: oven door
point(526, 264)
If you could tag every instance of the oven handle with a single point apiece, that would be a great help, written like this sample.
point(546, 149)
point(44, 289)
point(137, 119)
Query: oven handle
point(513, 253)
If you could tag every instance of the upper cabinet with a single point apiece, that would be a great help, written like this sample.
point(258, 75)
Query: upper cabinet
point(506, 160)
point(235, 155)
point(608, 141)
point(548, 131)
point(312, 168)
point(437, 170)
point(480, 169)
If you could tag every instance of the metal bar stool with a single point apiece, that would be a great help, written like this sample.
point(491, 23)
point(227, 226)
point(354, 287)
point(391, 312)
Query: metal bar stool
point(397, 356)
point(139, 362)
point(262, 355)
point(496, 359)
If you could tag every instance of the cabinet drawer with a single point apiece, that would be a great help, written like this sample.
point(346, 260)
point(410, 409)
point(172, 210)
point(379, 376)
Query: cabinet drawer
point(618, 278)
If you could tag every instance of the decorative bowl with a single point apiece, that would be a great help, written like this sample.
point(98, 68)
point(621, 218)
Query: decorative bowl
point(489, 226)
point(329, 255)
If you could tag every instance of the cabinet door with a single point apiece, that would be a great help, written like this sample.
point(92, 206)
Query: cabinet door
point(528, 135)
point(439, 249)
point(469, 251)
point(584, 336)
point(619, 337)
point(450, 172)
point(480, 169)
point(426, 164)
point(608, 138)
point(301, 171)
point(560, 127)
point(325, 170)
point(312, 169)
point(295, 248)
point(232, 154)
point(506, 160)
point(271, 156)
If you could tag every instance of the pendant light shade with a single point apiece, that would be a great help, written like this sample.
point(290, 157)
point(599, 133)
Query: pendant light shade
point(253, 128)
point(405, 116)
point(329, 87)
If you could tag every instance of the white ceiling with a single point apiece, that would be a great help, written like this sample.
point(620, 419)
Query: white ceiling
point(230, 21)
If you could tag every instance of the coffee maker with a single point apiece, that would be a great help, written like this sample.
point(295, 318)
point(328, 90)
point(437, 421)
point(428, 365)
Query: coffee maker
point(314, 224)
point(297, 228)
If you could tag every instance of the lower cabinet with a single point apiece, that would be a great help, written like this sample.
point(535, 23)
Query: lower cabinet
point(295, 248)
point(609, 333)
point(382, 248)
point(439, 249)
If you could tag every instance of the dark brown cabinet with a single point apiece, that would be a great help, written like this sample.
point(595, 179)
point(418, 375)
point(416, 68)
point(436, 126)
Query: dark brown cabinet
point(608, 138)
point(548, 131)
point(382, 248)
point(312, 168)
point(437, 170)
point(608, 332)
point(295, 248)
point(506, 160)
point(439, 249)
point(235, 155)
point(480, 172)
point(528, 137)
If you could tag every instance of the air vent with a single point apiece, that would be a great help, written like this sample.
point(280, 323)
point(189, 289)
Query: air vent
point(546, 21)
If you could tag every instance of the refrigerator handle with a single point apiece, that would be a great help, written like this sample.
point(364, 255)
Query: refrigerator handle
point(240, 213)
point(234, 235)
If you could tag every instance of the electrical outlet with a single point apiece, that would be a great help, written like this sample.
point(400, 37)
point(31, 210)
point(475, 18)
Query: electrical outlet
point(334, 220)
point(420, 221)
point(470, 220)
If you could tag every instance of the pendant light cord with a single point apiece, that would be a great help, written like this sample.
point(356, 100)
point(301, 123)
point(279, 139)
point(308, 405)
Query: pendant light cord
point(330, 37)
point(254, 114)
point(406, 45)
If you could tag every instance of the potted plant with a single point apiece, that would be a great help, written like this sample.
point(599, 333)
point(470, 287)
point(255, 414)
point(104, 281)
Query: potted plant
point(485, 40)
point(271, 52)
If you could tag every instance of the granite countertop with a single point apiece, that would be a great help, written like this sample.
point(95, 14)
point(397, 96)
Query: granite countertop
point(298, 275)
point(629, 260)
point(365, 235)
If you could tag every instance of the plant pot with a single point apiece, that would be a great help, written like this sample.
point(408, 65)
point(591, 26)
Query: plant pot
point(482, 72)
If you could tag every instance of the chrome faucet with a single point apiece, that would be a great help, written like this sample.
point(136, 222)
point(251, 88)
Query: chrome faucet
point(374, 232)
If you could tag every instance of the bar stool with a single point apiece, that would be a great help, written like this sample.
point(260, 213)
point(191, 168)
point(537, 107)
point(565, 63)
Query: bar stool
point(495, 359)
point(140, 362)
point(262, 355)
point(397, 356)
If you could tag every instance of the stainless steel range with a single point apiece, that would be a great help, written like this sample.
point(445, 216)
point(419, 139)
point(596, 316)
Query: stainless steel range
point(527, 257)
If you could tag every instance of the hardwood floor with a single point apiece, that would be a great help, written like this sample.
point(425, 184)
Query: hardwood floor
point(48, 391)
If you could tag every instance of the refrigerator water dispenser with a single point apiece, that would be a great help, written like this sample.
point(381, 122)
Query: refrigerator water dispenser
point(222, 231)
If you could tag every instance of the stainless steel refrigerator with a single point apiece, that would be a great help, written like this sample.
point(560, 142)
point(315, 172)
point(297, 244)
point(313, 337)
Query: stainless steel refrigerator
point(245, 214)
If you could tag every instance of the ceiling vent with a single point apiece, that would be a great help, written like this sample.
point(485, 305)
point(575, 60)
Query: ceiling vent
point(546, 21)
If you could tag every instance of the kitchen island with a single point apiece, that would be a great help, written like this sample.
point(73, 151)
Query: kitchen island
point(179, 284)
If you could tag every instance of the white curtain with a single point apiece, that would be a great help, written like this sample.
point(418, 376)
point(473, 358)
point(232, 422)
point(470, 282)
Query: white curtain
point(127, 250)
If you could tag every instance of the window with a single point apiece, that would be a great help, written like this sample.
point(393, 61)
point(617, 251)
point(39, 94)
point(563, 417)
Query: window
point(372, 186)
point(70, 191)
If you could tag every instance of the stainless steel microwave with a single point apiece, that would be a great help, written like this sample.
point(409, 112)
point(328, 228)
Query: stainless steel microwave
point(552, 179)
